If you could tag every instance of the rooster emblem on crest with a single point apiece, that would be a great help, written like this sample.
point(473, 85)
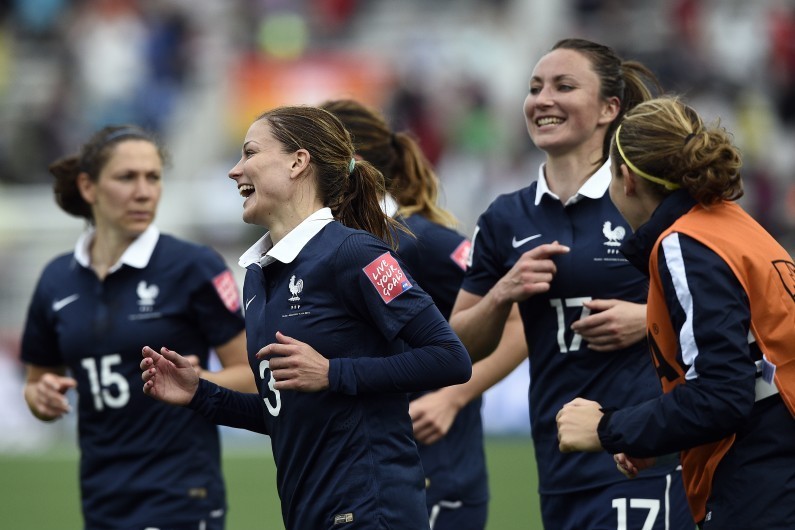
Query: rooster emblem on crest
point(146, 293)
point(295, 288)
point(613, 235)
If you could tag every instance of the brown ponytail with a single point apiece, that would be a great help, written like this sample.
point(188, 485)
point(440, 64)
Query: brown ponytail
point(416, 186)
point(67, 196)
point(667, 139)
point(355, 207)
point(407, 172)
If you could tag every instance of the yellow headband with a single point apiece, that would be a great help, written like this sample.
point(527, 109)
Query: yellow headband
point(666, 183)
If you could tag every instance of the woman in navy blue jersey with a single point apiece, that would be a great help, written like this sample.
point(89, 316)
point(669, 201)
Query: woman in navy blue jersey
point(436, 256)
point(143, 464)
point(330, 308)
point(720, 326)
point(552, 248)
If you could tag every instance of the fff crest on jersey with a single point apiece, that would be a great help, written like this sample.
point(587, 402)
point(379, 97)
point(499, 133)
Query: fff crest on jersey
point(146, 296)
point(614, 236)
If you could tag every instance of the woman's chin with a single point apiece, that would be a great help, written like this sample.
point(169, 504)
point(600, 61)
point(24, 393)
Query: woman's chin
point(250, 216)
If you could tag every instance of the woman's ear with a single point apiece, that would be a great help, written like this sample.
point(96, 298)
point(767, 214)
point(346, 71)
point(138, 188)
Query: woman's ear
point(300, 162)
point(610, 109)
point(629, 181)
point(86, 187)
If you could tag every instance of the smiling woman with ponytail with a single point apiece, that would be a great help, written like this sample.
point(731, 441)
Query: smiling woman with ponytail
point(338, 332)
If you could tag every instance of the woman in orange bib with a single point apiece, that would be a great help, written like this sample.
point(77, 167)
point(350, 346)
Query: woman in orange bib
point(721, 326)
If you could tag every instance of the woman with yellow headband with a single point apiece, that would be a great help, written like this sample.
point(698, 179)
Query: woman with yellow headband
point(721, 326)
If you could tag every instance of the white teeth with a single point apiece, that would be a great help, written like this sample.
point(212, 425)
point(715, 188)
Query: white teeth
point(245, 190)
point(548, 121)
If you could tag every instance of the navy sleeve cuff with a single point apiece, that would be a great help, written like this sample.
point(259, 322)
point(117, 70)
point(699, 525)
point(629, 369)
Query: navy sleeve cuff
point(602, 430)
point(341, 377)
point(201, 401)
point(228, 407)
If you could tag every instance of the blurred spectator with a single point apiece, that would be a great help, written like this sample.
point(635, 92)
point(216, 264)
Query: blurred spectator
point(108, 42)
point(37, 18)
point(170, 62)
point(410, 111)
point(782, 60)
point(473, 129)
point(333, 16)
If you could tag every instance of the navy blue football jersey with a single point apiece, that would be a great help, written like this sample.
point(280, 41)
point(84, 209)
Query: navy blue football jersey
point(436, 257)
point(455, 466)
point(143, 462)
point(562, 366)
point(346, 454)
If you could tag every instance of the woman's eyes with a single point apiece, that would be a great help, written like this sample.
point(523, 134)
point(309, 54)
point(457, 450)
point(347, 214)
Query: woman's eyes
point(126, 177)
point(535, 90)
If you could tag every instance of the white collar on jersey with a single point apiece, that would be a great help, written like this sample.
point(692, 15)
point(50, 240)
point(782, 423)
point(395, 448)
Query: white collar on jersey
point(594, 188)
point(389, 205)
point(137, 254)
point(265, 252)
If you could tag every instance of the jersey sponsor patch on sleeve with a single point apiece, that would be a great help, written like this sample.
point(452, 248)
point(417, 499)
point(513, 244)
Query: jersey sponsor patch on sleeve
point(387, 277)
point(225, 286)
point(461, 254)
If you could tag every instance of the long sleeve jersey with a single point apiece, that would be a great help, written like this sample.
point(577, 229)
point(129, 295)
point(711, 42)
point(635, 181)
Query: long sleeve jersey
point(719, 312)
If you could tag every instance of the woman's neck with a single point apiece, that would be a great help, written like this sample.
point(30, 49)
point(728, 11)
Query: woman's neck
point(565, 175)
point(107, 248)
point(281, 225)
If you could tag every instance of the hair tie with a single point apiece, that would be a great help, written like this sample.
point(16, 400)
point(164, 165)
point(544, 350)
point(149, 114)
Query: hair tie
point(688, 138)
point(351, 165)
point(666, 183)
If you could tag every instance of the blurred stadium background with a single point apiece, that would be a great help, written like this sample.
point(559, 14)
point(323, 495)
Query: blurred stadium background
point(454, 72)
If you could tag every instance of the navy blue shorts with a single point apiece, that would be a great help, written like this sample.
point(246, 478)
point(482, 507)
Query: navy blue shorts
point(447, 515)
point(642, 503)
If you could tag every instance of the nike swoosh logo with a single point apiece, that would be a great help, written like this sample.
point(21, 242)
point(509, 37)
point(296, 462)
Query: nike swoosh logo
point(249, 301)
point(63, 302)
point(520, 242)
